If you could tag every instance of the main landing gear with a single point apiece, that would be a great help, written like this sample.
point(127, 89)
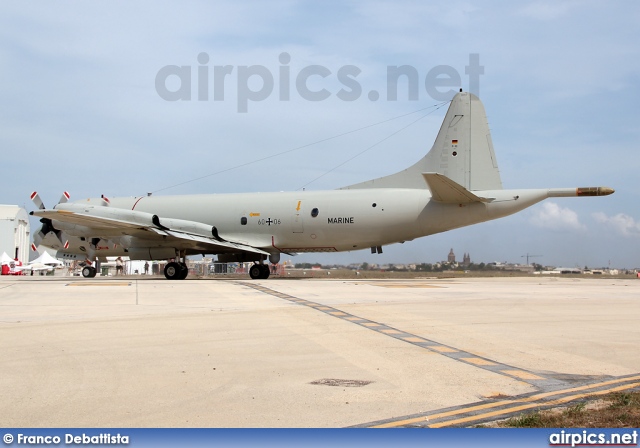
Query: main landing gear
point(89, 272)
point(176, 271)
point(259, 271)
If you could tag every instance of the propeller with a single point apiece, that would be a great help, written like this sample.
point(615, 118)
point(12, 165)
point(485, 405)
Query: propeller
point(47, 224)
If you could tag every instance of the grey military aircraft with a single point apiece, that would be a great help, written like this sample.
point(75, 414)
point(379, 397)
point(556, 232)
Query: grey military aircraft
point(456, 184)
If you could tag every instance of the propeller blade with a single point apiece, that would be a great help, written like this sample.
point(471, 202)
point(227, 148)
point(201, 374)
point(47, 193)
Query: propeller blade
point(35, 197)
point(58, 234)
point(64, 198)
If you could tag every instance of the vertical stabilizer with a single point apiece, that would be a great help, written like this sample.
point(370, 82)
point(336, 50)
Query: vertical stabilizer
point(463, 152)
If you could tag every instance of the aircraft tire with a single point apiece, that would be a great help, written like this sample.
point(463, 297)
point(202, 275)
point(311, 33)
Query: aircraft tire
point(255, 271)
point(89, 272)
point(264, 271)
point(184, 272)
point(173, 271)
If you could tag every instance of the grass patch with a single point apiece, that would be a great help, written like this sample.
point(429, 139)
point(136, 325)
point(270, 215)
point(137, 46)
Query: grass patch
point(616, 410)
point(528, 420)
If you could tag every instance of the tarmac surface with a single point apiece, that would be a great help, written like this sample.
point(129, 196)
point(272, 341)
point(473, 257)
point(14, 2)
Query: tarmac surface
point(140, 351)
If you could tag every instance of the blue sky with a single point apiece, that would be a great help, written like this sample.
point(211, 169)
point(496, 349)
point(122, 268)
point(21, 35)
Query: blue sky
point(79, 110)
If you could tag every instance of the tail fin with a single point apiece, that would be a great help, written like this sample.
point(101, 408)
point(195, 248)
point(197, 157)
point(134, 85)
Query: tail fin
point(463, 152)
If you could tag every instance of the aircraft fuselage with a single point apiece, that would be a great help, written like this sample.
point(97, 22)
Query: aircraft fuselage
point(317, 221)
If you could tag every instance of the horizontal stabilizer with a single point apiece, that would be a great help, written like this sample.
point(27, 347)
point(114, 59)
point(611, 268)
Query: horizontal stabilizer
point(445, 190)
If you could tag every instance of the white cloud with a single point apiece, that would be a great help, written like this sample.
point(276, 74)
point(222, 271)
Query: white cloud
point(551, 216)
point(623, 224)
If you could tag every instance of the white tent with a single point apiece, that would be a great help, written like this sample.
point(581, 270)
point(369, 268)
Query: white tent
point(5, 259)
point(47, 259)
point(33, 266)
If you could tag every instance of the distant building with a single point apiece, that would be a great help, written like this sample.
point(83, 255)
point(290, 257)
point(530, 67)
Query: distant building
point(466, 260)
point(452, 257)
point(14, 232)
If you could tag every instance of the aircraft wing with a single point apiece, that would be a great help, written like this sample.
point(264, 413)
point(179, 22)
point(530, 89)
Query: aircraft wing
point(84, 219)
point(104, 221)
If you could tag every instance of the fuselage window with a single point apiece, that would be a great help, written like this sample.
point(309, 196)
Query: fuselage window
point(314, 212)
point(243, 221)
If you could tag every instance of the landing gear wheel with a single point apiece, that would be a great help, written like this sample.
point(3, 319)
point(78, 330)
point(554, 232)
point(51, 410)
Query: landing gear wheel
point(255, 271)
point(89, 272)
point(265, 271)
point(173, 271)
point(184, 272)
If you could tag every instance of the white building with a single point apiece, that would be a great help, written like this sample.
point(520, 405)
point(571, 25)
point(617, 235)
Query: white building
point(14, 232)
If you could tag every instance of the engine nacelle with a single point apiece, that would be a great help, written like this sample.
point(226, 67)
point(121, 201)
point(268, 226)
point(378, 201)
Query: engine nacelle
point(180, 225)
